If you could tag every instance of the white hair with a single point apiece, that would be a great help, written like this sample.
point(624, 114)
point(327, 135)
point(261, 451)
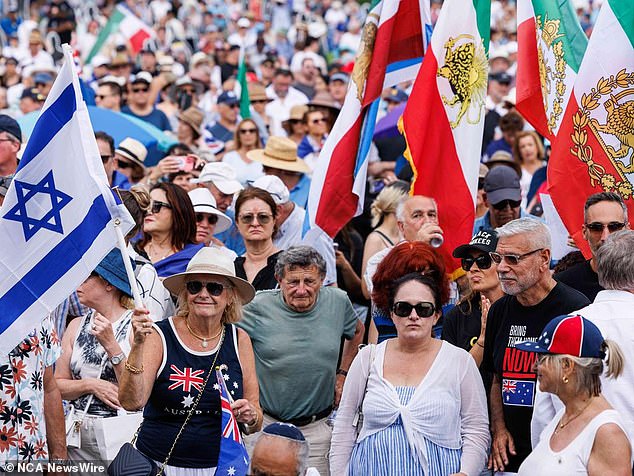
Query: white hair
point(538, 231)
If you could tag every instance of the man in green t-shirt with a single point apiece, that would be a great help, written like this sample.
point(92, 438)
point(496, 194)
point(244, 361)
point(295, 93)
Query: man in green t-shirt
point(296, 332)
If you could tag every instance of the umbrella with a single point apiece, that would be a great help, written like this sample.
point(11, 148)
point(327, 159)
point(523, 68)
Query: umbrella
point(387, 127)
point(119, 126)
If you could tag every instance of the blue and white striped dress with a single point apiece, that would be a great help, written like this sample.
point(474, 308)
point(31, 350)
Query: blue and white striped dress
point(388, 452)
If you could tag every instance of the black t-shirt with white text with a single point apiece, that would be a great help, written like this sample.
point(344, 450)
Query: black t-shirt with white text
point(508, 323)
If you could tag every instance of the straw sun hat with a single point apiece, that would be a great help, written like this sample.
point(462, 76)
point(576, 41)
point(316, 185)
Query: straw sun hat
point(209, 263)
point(279, 153)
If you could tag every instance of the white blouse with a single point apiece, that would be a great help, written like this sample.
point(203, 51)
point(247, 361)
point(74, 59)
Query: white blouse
point(448, 408)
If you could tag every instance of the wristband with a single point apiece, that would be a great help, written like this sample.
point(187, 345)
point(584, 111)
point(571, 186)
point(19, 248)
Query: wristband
point(342, 372)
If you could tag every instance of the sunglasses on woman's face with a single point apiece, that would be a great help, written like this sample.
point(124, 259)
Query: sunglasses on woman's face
point(214, 289)
point(211, 219)
point(156, 207)
point(483, 262)
point(248, 131)
point(122, 164)
point(404, 309)
point(262, 218)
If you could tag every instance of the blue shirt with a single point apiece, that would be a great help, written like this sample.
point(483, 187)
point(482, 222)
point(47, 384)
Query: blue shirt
point(484, 222)
point(156, 118)
point(299, 194)
point(494, 146)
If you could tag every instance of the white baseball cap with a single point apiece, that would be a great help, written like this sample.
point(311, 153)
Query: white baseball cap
point(222, 175)
point(204, 202)
point(274, 186)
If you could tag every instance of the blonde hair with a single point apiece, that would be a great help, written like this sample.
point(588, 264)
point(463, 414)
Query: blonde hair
point(385, 203)
point(231, 314)
point(126, 301)
point(588, 370)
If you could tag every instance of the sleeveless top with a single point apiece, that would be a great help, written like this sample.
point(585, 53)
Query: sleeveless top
point(88, 356)
point(573, 459)
point(179, 380)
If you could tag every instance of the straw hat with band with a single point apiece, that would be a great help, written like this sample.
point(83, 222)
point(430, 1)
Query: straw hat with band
point(257, 92)
point(132, 150)
point(324, 99)
point(210, 262)
point(279, 153)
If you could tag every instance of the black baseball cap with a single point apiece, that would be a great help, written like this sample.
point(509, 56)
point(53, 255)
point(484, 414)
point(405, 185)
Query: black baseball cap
point(484, 240)
point(502, 183)
point(10, 125)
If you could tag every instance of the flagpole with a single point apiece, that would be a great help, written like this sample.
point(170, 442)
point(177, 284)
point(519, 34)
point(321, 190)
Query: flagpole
point(138, 302)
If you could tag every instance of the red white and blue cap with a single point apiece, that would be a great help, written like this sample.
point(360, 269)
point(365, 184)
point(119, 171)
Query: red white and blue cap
point(569, 334)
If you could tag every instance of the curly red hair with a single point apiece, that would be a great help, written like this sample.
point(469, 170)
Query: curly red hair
point(405, 258)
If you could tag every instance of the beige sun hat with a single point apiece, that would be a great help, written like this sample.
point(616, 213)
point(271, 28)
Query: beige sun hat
point(257, 92)
point(211, 262)
point(279, 153)
point(132, 150)
point(193, 117)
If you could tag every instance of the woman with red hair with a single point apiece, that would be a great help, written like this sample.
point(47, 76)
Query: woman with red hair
point(405, 258)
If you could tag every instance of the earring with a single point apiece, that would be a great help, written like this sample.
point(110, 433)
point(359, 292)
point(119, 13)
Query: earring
point(565, 379)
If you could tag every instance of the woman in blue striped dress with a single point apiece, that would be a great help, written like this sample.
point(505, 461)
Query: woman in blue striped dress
point(423, 403)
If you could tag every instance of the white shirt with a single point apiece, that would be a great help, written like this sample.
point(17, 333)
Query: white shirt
point(452, 388)
point(290, 233)
point(613, 313)
point(280, 108)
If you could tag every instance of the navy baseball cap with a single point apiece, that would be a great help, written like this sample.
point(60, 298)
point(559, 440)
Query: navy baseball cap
point(33, 93)
point(228, 97)
point(285, 430)
point(502, 183)
point(396, 95)
point(10, 125)
point(484, 240)
point(569, 335)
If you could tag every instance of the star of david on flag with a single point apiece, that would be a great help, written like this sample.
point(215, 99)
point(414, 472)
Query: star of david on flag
point(233, 459)
point(57, 220)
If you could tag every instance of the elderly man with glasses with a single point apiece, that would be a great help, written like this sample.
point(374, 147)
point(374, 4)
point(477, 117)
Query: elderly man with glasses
point(604, 213)
point(533, 299)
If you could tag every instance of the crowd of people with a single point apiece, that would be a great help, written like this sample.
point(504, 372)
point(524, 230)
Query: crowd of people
point(517, 363)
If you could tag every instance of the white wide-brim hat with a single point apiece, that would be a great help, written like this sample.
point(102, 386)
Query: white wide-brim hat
point(211, 262)
point(204, 202)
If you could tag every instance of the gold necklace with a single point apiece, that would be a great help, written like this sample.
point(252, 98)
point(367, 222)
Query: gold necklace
point(561, 425)
point(203, 339)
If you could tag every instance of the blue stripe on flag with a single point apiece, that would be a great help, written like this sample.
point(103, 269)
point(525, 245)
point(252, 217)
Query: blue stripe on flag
point(54, 265)
point(50, 123)
point(403, 64)
point(367, 132)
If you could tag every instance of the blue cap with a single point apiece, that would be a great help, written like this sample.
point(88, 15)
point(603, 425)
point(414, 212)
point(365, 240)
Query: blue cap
point(228, 97)
point(44, 78)
point(568, 335)
point(10, 125)
point(112, 270)
point(396, 95)
point(285, 430)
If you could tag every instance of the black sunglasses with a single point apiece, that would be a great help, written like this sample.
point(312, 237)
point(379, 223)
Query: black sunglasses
point(211, 219)
point(140, 90)
point(156, 207)
point(613, 226)
point(483, 262)
point(404, 309)
point(248, 131)
point(214, 289)
point(262, 218)
point(502, 205)
point(122, 164)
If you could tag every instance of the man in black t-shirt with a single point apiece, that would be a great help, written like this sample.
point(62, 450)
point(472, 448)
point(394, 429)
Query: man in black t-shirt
point(604, 213)
point(533, 299)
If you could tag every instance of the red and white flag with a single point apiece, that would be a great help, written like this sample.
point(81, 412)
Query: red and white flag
point(391, 51)
point(594, 150)
point(443, 121)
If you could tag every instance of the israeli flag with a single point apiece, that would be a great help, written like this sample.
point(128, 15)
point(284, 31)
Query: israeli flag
point(57, 220)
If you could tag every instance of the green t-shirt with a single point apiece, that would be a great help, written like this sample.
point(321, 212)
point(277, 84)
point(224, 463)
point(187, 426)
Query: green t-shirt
point(296, 353)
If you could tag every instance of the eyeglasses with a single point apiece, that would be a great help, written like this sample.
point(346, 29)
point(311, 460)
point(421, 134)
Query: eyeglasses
point(317, 121)
point(262, 218)
point(233, 106)
point(511, 260)
point(502, 205)
point(122, 164)
point(211, 219)
point(214, 289)
point(483, 262)
point(259, 101)
point(596, 227)
point(140, 90)
point(248, 131)
point(404, 309)
point(156, 207)
point(105, 158)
